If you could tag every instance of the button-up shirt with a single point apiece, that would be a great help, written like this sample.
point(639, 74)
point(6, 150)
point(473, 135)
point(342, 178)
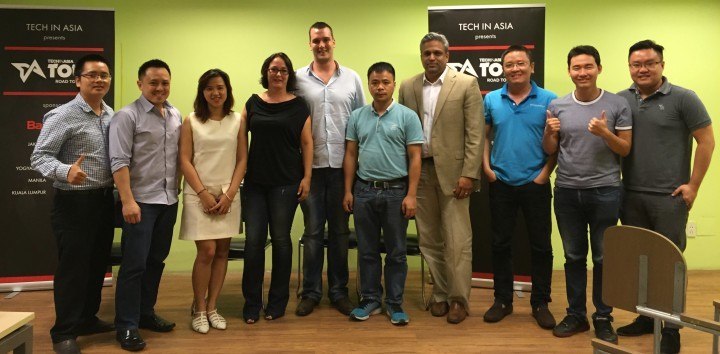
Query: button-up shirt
point(147, 143)
point(330, 107)
point(431, 91)
point(69, 131)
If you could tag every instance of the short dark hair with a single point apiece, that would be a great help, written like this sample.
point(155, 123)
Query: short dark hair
point(584, 50)
point(320, 25)
point(80, 63)
point(647, 44)
point(292, 79)
point(381, 67)
point(516, 48)
point(202, 111)
point(152, 63)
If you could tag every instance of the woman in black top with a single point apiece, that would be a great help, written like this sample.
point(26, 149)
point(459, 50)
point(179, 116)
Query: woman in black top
point(278, 177)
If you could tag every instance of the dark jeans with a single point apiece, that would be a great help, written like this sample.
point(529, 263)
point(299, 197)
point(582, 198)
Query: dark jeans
point(145, 246)
point(83, 226)
point(575, 210)
point(325, 204)
point(376, 212)
point(273, 207)
point(534, 201)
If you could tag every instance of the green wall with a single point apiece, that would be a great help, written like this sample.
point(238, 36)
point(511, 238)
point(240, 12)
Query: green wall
point(193, 36)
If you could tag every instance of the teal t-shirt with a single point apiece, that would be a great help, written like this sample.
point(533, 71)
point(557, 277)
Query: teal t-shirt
point(383, 140)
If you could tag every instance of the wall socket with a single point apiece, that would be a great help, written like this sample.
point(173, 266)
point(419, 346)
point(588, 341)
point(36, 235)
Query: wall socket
point(691, 229)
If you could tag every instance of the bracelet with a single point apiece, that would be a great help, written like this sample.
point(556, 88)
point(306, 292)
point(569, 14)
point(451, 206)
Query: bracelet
point(203, 190)
point(227, 196)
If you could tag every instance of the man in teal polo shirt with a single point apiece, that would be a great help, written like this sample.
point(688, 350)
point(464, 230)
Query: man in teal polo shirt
point(384, 142)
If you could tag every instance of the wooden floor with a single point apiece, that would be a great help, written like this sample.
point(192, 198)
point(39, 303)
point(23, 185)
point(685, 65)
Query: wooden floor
point(326, 331)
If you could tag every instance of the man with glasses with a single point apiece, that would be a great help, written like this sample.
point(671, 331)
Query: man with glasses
point(518, 172)
point(332, 91)
point(659, 186)
point(143, 157)
point(72, 150)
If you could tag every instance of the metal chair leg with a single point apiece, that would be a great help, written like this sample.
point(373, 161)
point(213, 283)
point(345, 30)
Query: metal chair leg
point(300, 247)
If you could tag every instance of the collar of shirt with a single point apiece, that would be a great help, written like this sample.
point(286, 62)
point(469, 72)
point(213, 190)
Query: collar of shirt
point(148, 106)
point(80, 101)
point(309, 69)
point(390, 107)
point(533, 90)
point(664, 88)
point(439, 81)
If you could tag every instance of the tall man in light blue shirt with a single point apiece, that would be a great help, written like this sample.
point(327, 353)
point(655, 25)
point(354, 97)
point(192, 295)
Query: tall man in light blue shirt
point(518, 172)
point(332, 92)
point(72, 150)
point(384, 144)
point(143, 157)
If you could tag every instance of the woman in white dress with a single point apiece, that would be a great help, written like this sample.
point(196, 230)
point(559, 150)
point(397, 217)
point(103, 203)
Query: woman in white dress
point(213, 159)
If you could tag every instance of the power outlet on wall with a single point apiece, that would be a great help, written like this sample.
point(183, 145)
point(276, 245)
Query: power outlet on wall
point(691, 229)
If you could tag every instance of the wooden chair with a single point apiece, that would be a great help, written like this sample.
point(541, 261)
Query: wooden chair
point(646, 273)
point(603, 347)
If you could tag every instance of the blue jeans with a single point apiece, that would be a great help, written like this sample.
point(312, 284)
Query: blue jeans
point(324, 203)
point(145, 246)
point(534, 201)
point(376, 212)
point(270, 207)
point(575, 210)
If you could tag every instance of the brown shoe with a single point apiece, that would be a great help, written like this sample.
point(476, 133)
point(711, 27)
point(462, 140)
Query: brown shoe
point(439, 309)
point(457, 313)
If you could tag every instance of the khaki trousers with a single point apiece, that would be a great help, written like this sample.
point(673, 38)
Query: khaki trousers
point(445, 235)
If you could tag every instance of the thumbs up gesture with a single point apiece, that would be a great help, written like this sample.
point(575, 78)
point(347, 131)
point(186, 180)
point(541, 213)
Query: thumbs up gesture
point(598, 126)
point(552, 124)
point(76, 175)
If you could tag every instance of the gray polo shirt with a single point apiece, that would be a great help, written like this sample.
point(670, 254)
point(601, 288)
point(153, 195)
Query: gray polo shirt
point(661, 153)
point(584, 159)
point(147, 143)
point(330, 107)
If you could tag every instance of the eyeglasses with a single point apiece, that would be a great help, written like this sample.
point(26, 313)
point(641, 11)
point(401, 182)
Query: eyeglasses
point(95, 76)
point(275, 71)
point(520, 65)
point(648, 65)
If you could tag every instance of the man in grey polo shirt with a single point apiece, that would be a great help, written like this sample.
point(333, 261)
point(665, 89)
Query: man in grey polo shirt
point(589, 129)
point(332, 92)
point(659, 186)
point(384, 142)
point(143, 158)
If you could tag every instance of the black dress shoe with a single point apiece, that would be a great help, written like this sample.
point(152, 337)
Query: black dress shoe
point(68, 346)
point(156, 323)
point(93, 327)
point(130, 340)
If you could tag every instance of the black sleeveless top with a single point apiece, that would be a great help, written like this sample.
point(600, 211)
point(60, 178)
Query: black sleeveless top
point(275, 156)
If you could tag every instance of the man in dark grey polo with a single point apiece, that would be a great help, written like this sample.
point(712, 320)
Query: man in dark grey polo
point(660, 188)
point(143, 157)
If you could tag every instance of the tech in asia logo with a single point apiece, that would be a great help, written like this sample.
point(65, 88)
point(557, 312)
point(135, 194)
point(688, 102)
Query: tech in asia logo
point(60, 70)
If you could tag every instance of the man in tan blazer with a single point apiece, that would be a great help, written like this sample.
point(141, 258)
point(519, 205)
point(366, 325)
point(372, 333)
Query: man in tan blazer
point(450, 108)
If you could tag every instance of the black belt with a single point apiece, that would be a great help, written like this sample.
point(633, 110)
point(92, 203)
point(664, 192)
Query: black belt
point(397, 183)
point(97, 191)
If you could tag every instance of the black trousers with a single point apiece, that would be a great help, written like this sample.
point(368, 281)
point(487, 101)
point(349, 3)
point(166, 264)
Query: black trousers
point(83, 224)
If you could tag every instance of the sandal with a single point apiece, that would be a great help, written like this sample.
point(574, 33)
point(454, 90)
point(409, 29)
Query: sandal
point(216, 320)
point(200, 322)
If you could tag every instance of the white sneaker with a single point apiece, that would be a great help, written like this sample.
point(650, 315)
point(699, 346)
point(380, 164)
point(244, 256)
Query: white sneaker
point(216, 320)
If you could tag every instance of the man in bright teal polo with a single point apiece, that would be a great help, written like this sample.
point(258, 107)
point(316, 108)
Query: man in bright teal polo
point(382, 160)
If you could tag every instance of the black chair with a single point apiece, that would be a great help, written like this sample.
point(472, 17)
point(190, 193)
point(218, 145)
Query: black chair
point(352, 244)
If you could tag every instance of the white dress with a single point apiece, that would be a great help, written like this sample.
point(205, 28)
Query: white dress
point(214, 158)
